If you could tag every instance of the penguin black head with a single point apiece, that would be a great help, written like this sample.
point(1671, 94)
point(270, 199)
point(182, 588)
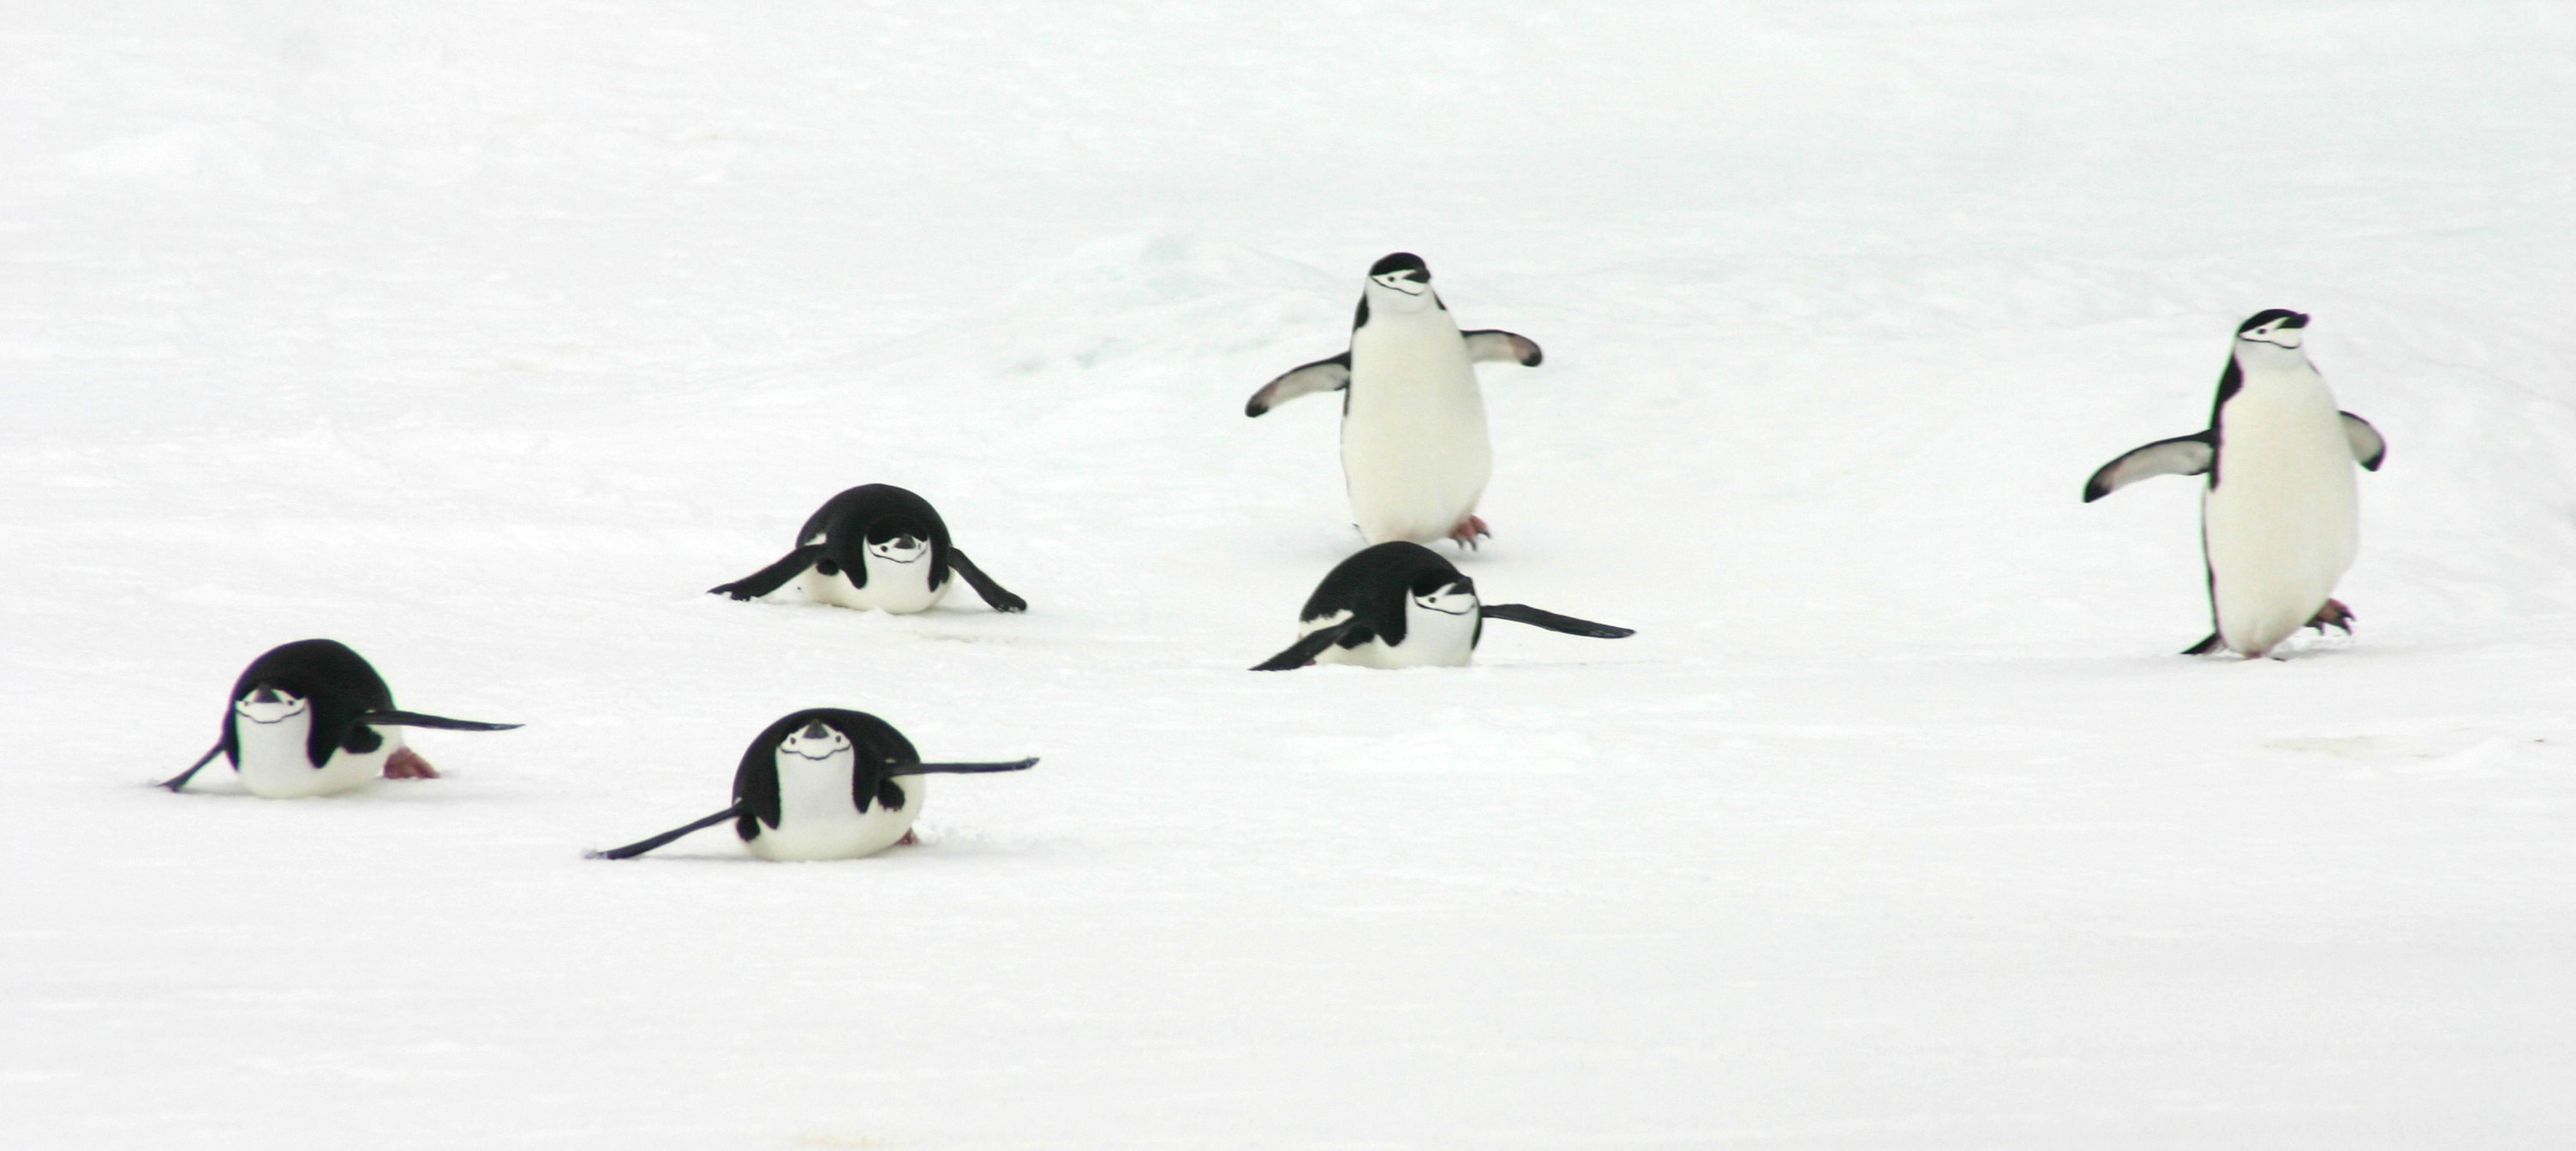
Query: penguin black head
point(1448, 593)
point(267, 703)
point(817, 741)
point(898, 539)
point(1398, 283)
point(2277, 326)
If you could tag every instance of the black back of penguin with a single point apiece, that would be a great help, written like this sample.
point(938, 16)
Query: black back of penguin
point(1374, 584)
point(337, 683)
point(875, 513)
point(877, 746)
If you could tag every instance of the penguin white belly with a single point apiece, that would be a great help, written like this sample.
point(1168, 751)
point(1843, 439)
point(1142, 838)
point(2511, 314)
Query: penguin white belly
point(817, 818)
point(2284, 520)
point(897, 589)
point(1415, 451)
point(273, 765)
point(1431, 639)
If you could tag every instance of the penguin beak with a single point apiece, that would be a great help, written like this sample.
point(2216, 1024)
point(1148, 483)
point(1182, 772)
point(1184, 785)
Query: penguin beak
point(816, 730)
point(264, 695)
point(2296, 320)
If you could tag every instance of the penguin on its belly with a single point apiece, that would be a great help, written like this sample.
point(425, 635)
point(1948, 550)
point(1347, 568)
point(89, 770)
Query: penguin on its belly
point(1415, 452)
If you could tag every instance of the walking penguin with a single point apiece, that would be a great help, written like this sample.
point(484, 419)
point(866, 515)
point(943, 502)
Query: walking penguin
point(2279, 518)
point(1415, 453)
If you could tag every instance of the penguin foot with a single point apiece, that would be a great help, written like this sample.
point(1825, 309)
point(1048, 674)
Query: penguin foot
point(405, 763)
point(908, 840)
point(2333, 615)
point(1469, 530)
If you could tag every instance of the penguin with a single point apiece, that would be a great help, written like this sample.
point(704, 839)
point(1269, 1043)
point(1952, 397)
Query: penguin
point(873, 546)
point(823, 783)
point(1398, 604)
point(2279, 517)
point(1415, 454)
point(312, 717)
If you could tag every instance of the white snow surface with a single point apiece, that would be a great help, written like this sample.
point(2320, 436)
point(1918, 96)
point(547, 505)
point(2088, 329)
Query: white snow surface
point(484, 336)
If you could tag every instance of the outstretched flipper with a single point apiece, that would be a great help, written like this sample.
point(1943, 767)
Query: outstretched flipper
point(1304, 651)
point(994, 595)
point(416, 719)
point(960, 768)
point(1495, 346)
point(2180, 456)
point(771, 578)
point(180, 780)
point(1303, 380)
point(641, 846)
point(2368, 449)
point(2204, 647)
point(1523, 613)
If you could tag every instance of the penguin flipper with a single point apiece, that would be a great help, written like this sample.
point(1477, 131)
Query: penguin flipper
point(2204, 647)
point(1523, 613)
point(180, 780)
point(1330, 375)
point(1304, 651)
point(771, 578)
point(416, 719)
point(1496, 346)
point(959, 768)
point(641, 846)
point(2368, 449)
point(2180, 456)
point(996, 596)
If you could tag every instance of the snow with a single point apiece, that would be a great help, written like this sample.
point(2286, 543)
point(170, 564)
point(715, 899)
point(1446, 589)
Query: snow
point(485, 336)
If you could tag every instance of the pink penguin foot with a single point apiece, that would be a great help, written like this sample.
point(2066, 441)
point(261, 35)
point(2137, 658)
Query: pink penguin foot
point(2333, 615)
point(405, 763)
point(908, 840)
point(1469, 530)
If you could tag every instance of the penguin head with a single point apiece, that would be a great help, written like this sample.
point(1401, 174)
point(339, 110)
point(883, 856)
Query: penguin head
point(1447, 593)
point(898, 539)
point(816, 742)
point(1400, 282)
point(268, 703)
point(2279, 327)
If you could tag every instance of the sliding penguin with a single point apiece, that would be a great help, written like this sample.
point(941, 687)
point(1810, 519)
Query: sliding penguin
point(873, 546)
point(823, 783)
point(2279, 519)
point(313, 718)
point(1414, 448)
point(1399, 604)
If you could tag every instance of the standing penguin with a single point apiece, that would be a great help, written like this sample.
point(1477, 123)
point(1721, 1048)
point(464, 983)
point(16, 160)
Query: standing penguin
point(823, 783)
point(873, 546)
point(2280, 518)
point(1415, 452)
point(306, 719)
point(1399, 604)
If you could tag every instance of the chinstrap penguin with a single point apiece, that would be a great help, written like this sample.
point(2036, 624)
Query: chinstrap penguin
point(2279, 518)
point(313, 718)
point(873, 546)
point(1398, 604)
point(1415, 452)
point(823, 783)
